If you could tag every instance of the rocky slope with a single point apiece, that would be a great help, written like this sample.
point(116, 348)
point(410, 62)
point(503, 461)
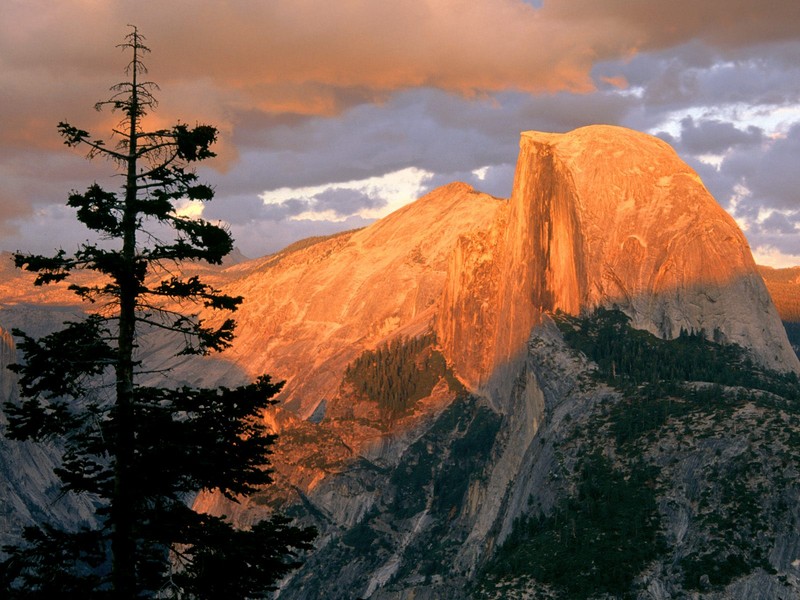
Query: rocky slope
point(647, 482)
point(450, 299)
point(309, 312)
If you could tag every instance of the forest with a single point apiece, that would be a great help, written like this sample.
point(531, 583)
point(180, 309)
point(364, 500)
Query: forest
point(399, 373)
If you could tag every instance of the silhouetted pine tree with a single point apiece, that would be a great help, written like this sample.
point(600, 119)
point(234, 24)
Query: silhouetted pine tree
point(142, 451)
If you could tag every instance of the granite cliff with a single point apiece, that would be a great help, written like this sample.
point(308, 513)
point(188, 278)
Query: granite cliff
point(604, 216)
point(27, 481)
point(505, 410)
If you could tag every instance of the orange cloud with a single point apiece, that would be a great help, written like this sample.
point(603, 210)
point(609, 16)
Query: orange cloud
point(457, 45)
point(317, 57)
point(658, 24)
point(271, 49)
point(618, 82)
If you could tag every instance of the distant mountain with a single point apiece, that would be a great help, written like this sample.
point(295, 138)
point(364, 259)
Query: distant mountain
point(583, 389)
point(784, 288)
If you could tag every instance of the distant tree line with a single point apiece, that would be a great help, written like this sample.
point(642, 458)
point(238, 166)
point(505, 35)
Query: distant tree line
point(628, 356)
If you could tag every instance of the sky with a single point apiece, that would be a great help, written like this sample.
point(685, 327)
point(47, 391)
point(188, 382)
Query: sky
point(333, 114)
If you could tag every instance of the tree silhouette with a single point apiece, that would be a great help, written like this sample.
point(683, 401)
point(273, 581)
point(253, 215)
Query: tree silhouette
point(140, 451)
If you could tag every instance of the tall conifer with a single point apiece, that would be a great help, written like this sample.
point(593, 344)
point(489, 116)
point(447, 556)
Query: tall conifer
point(143, 451)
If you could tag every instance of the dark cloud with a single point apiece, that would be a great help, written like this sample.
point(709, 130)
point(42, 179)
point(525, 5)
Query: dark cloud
point(265, 237)
point(495, 180)
point(429, 129)
point(285, 210)
point(772, 176)
point(34, 181)
point(498, 181)
point(52, 228)
point(342, 202)
point(696, 77)
point(779, 223)
point(764, 243)
point(675, 85)
point(716, 137)
point(727, 24)
point(235, 209)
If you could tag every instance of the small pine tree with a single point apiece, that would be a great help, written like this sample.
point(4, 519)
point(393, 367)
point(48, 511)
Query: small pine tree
point(142, 451)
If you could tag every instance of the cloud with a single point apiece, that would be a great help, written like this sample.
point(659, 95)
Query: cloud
point(716, 137)
point(773, 257)
point(428, 129)
point(727, 24)
point(267, 236)
point(345, 202)
point(780, 223)
point(318, 58)
point(307, 93)
point(51, 228)
point(369, 198)
point(495, 180)
point(757, 85)
point(33, 180)
point(315, 57)
point(771, 176)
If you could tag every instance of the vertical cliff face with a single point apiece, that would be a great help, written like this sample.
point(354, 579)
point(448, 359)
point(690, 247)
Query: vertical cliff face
point(605, 216)
point(656, 244)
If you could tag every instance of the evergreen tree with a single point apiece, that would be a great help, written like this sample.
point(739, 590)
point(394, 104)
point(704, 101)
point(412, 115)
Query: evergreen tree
point(142, 451)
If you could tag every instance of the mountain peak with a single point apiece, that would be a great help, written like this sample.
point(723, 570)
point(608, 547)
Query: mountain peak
point(606, 216)
point(314, 310)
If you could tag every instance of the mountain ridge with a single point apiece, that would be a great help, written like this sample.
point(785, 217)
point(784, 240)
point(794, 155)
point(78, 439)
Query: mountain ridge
point(469, 291)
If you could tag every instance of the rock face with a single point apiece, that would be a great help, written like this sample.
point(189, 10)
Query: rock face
point(309, 312)
point(605, 216)
point(598, 217)
point(413, 504)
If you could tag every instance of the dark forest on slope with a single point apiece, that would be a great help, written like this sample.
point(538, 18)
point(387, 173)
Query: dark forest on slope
point(676, 400)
